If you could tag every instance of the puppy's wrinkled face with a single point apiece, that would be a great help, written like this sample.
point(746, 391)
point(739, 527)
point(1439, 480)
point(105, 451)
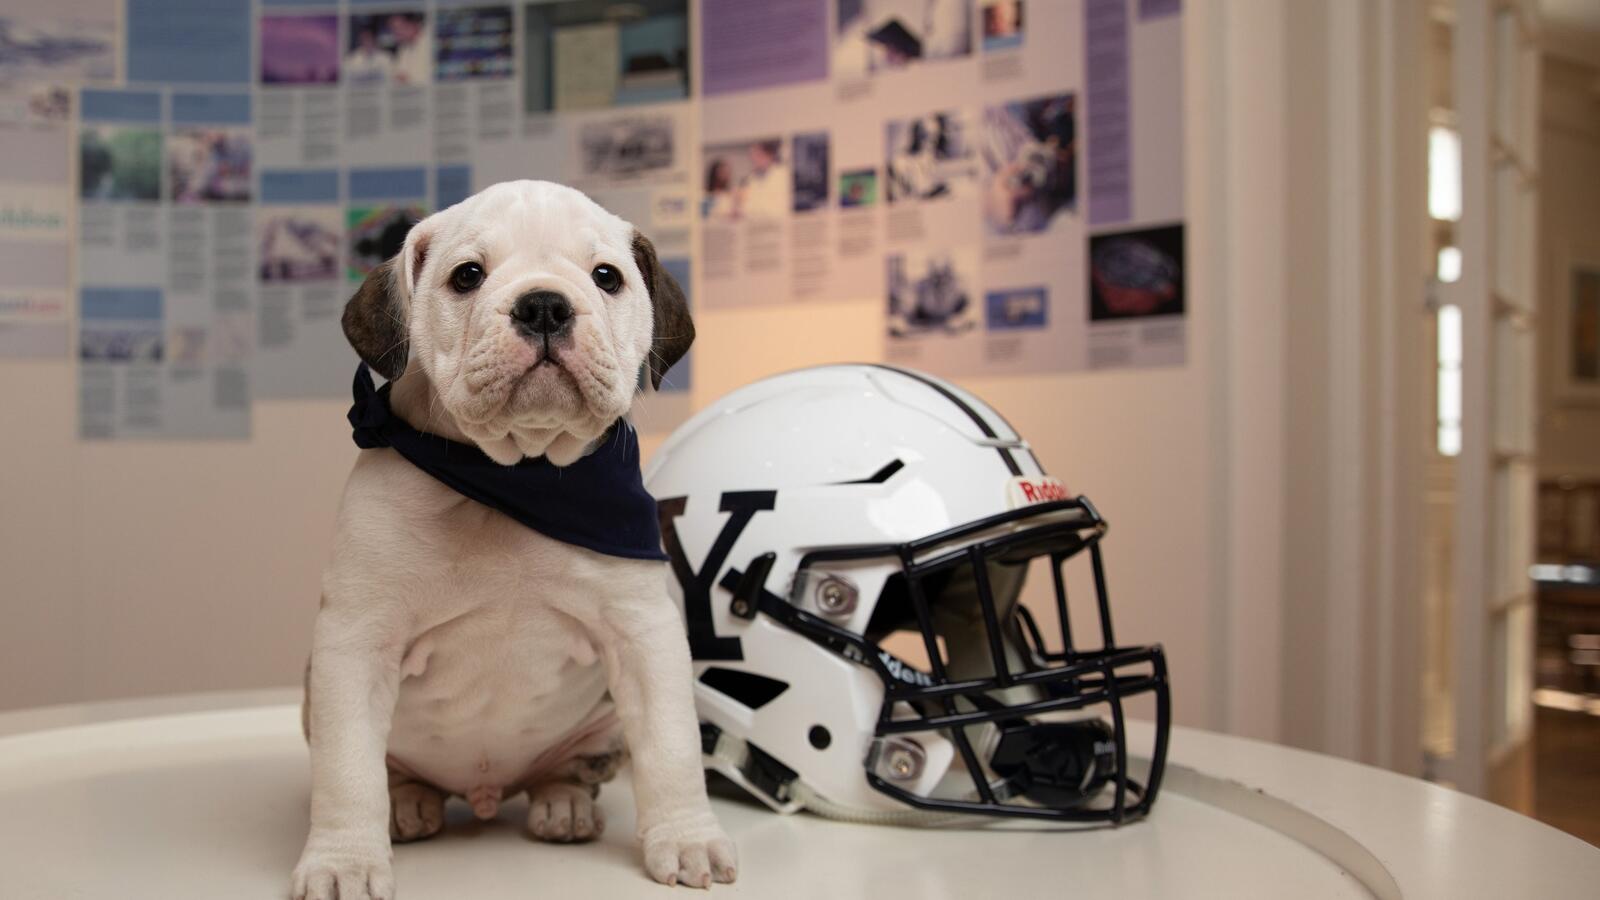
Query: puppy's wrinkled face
point(529, 315)
point(531, 310)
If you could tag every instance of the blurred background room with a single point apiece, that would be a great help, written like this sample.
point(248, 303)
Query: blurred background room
point(1305, 295)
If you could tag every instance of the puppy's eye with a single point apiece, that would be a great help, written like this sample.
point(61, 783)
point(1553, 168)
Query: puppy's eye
point(607, 278)
point(466, 277)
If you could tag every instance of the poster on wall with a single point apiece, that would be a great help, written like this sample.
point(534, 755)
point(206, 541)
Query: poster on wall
point(297, 94)
point(1000, 180)
point(166, 189)
point(48, 48)
point(1003, 178)
point(60, 42)
point(35, 220)
point(165, 317)
point(475, 87)
point(301, 286)
point(305, 52)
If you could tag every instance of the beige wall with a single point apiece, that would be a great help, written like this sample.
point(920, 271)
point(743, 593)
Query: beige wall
point(141, 568)
point(1569, 229)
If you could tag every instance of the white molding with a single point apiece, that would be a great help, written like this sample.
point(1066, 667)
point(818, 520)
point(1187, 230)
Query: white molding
point(1347, 578)
point(1404, 413)
point(1256, 323)
point(1361, 378)
point(1206, 27)
point(1469, 619)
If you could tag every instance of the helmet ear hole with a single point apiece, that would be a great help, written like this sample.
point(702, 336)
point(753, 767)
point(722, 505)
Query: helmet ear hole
point(819, 737)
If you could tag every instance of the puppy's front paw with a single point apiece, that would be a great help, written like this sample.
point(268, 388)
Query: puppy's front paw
point(692, 850)
point(334, 869)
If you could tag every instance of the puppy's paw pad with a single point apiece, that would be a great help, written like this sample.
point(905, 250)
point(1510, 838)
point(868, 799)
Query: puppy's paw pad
point(342, 875)
point(692, 852)
point(562, 813)
point(416, 812)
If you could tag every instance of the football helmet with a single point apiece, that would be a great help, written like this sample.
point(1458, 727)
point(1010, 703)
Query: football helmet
point(849, 545)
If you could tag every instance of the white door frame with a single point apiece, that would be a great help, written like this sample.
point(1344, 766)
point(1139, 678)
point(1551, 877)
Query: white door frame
point(1358, 422)
point(1496, 98)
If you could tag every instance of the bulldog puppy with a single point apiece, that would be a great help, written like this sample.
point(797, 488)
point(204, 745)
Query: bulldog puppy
point(461, 652)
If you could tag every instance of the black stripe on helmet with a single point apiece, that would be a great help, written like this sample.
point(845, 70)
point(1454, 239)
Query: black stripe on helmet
point(980, 421)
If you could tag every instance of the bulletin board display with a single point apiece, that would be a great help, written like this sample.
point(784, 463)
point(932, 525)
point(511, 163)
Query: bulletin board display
point(191, 188)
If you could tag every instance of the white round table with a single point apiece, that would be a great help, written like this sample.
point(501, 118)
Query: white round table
point(212, 803)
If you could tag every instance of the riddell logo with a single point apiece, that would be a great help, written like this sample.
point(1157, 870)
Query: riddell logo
point(1027, 491)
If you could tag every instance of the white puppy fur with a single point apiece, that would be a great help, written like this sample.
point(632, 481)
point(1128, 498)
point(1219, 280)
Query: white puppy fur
point(458, 652)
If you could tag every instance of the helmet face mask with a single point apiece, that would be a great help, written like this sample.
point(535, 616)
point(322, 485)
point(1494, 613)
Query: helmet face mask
point(1020, 716)
point(850, 545)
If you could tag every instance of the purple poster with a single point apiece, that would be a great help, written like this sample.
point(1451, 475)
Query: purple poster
point(1106, 90)
point(761, 45)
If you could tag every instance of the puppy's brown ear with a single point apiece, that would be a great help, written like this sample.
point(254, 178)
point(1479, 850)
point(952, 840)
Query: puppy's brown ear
point(375, 321)
point(674, 330)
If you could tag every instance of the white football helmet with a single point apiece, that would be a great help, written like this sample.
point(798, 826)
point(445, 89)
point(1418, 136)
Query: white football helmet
point(811, 515)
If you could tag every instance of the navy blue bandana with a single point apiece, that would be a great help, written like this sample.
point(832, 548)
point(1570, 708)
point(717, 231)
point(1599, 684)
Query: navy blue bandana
point(598, 503)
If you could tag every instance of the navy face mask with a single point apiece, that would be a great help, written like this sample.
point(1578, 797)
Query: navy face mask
point(598, 503)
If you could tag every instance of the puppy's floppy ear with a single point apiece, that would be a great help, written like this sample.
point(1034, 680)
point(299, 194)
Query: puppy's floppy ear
point(375, 323)
point(674, 330)
point(375, 318)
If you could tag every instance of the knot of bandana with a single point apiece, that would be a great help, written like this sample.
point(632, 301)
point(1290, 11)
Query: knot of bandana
point(370, 414)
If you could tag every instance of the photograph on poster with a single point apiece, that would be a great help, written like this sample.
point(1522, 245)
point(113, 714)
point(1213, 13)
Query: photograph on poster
point(745, 180)
point(119, 162)
point(121, 342)
point(1016, 309)
point(186, 345)
point(37, 104)
point(37, 43)
point(45, 103)
point(930, 291)
point(858, 188)
point(595, 54)
point(298, 243)
point(299, 49)
point(928, 157)
point(471, 43)
point(879, 35)
point(1002, 25)
point(387, 48)
point(1583, 368)
point(810, 171)
point(377, 233)
point(1030, 164)
point(209, 165)
point(1136, 274)
point(627, 148)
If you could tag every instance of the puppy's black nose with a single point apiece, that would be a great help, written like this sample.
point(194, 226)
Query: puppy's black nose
point(542, 312)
